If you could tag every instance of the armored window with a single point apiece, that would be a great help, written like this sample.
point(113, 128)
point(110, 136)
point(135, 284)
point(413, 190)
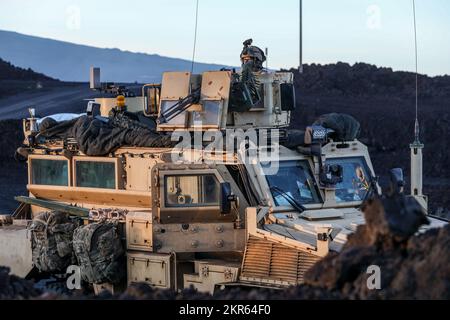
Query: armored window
point(191, 191)
point(49, 172)
point(291, 180)
point(95, 174)
point(356, 179)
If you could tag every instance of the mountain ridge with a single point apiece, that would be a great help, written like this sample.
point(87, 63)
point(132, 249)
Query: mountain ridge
point(69, 61)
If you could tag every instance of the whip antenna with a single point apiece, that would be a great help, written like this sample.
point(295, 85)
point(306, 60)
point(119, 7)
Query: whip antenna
point(417, 127)
point(195, 38)
point(417, 147)
point(300, 67)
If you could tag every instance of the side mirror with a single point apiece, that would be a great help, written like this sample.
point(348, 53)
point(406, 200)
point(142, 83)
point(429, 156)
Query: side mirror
point(152, 95)
point(397, 180)
point(226, 198)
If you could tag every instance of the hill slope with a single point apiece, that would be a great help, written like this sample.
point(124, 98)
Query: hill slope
point(71, 62)
point(363, 80)
point(14, 80)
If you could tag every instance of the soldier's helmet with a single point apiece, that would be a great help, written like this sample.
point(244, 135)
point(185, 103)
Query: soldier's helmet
point(252, 54)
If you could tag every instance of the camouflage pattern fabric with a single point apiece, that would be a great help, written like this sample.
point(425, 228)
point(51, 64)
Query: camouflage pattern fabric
point(51, 241)
point(100, 253)
point(125, 120)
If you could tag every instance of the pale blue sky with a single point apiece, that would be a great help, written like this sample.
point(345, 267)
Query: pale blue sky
point(378, 32)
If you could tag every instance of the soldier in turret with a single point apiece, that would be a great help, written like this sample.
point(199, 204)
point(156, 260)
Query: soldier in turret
point(252, 59)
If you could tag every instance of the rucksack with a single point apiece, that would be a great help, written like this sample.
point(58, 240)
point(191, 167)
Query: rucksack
point(346, 127)
point(51, 241)
point(100, 253)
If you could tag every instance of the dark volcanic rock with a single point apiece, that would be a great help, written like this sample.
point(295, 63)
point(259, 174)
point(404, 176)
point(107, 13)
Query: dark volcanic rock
point(363, 79)
point(11, 138)
point(411, 268)
point(145, 292)
point(12, 287)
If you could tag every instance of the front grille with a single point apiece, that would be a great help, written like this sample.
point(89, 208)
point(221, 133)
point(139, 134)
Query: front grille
point(270, 262)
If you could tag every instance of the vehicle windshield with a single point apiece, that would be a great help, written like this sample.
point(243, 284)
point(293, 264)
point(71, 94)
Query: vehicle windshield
point(295, 179)
point(356, 179)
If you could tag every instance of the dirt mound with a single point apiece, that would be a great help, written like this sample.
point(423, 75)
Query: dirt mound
point(410, 268)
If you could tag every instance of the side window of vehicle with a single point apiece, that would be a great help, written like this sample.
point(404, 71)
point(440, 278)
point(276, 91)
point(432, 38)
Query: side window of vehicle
point(49, 172)
point(191, 190)
point(94, 174)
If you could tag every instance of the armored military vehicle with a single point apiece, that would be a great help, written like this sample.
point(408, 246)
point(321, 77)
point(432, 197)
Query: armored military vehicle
point(198, 182)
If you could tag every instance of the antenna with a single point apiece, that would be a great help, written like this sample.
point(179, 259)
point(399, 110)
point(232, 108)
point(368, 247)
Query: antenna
point(417, 126)
point(195, 38)
point(300, 67)
point(417, 147)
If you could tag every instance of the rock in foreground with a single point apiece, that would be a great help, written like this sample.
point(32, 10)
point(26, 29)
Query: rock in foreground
point(411, 267)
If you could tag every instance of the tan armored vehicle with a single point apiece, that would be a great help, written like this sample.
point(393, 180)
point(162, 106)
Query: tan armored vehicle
point(223, 193)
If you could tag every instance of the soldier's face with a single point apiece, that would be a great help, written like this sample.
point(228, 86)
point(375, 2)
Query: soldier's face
point(246, 59)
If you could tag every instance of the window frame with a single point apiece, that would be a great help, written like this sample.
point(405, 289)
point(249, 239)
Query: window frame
point(199, 205)
point(186, 173)
point(191, 214)
point(311, 173)
point(368, 173)
point(269, 194)
point(117, 170)
point(49, 158)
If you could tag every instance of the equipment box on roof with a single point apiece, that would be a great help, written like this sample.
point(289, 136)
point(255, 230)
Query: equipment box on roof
point(139, 231)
